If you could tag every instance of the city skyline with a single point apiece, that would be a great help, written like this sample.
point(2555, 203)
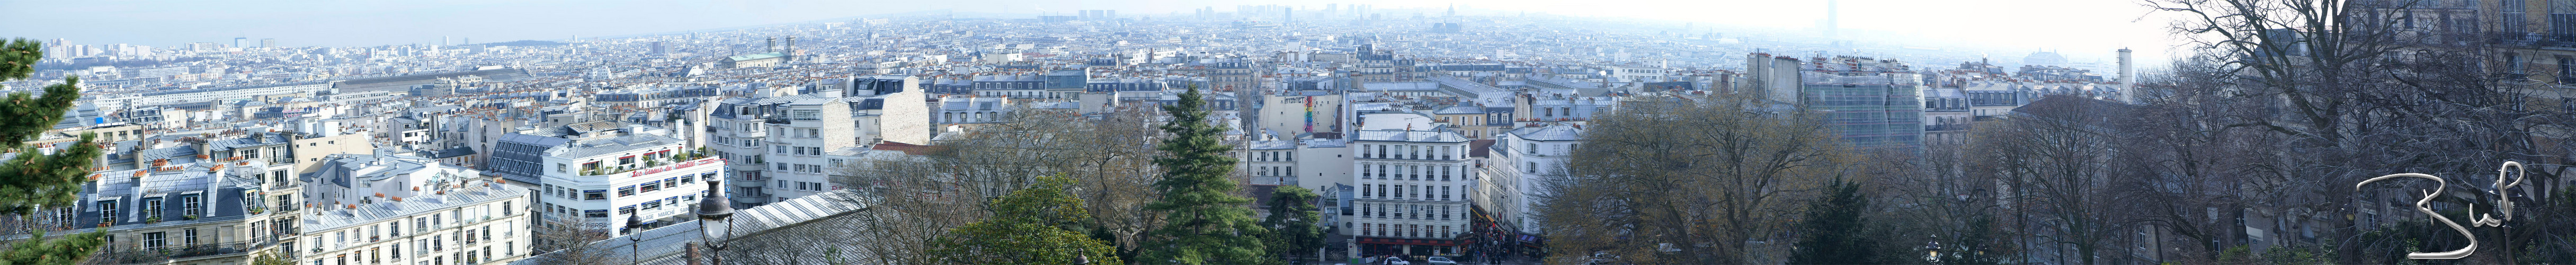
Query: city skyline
point(2037, 25)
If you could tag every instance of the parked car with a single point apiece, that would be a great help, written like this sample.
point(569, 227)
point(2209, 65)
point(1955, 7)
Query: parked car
point(1438, 260)
point(1601, 257)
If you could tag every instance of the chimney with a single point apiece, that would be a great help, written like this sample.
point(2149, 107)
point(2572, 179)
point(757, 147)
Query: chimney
point(2128, 78)
point(692, 253)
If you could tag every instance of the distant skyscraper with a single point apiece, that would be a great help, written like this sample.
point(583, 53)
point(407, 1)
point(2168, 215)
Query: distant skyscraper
point(1833, 18)
point(268, 43)
point(241, 42)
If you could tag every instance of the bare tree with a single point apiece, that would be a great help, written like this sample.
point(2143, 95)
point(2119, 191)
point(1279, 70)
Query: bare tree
point(1690, 182)
point(917, 197)
point(2056, 172)
point(564, 241)
point(2356, 90)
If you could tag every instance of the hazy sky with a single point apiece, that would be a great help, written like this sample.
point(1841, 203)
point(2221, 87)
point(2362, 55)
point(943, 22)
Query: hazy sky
point(2080, 28)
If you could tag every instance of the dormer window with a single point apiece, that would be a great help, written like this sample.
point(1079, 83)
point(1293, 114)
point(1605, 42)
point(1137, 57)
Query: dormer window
point(107, 211)
point(151, 207)
point(192, 205)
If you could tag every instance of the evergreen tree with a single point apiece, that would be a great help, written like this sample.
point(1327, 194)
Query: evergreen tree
point(1833, 232)
point(33, 180)
point(1037, 225)
point(1205, 223)
point(1292, 220)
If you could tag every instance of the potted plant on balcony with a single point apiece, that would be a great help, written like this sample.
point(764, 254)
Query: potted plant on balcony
point(188, 217)
point(152, 220)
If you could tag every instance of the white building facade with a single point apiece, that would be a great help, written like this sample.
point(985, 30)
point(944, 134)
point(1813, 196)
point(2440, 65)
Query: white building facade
point(480, 222)
point(1412, 187)
point(599, 183)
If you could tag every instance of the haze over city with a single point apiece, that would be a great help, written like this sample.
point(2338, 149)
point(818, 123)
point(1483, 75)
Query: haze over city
point(1967, 132)
point(2085, 29)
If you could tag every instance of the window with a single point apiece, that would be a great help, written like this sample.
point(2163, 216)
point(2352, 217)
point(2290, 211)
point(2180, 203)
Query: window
point(2566, 66)
point(107, 211)
point(154, 240)
point(189, 236)
point(394, 228)
point(595, 213)
point(190, 205)
point(151, 207)
point(651, 186)
point(628, 210)
point(625, 191)
point(594, 194)
point(560, 167)
point(655, 204)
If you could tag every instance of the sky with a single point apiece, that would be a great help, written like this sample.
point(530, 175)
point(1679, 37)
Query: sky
point(2082, 29)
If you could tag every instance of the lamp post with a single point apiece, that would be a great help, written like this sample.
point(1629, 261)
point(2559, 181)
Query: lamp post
point(712, 208)
point(632, 223)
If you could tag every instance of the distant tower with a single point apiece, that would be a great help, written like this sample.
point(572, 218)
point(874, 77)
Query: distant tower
point(771, 46)
point(1453, 10)
point(1832, 19)
point(2128, 78)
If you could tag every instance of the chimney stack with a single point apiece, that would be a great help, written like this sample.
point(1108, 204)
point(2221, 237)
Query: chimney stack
point(2128, 78)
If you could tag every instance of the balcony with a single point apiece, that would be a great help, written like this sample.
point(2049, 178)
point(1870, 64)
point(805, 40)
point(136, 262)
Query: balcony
point(2534, 40)
point(170, 253)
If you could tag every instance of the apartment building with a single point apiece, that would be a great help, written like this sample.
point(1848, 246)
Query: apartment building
point(476, 222)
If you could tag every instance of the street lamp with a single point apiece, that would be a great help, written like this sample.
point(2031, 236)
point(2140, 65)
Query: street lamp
point(712, 208)
point(632, 223)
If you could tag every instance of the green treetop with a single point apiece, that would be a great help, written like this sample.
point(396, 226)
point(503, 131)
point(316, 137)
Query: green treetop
point(1029, 226)
point(32, 180)
point(1205, 222)
point(1292, 220)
